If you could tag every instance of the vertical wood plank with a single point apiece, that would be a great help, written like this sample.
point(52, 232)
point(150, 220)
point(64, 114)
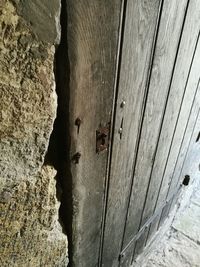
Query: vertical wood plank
point(183, 152)
point(140, 25)
point(167, 42)
point(180, 129)
point(191, 163)
point(165, 213)
point(126, 260)
point(153, 229)
point(92, 48)
point(141, 243)
point(179, 163)
point(185, 144)
point(177, 91)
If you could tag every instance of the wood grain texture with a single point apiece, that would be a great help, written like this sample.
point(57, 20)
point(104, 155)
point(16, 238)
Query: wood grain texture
point(153, 229)
point(92, 48)
point(164, 214)
point(191, 162)
point(126, 259)
point(180, 129)
point(140, 244)
point(181, 159)
point(193, 85)
point(177, 91)
point(166, 47)
point(190, 165)
point(140, 24)
point(183, 152)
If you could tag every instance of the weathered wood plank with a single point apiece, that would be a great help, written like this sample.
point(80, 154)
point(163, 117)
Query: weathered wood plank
point(185, 144)
point(164, 213)
point(177, 91)
point(138, 243)
point(179, 164)
point(191, 161)
point(141, 243)
point(92, 48)
point(166, 47)
point(180, 129)
point(126, 259)
point(190, 165)
point(153, 229)
point(140, 25)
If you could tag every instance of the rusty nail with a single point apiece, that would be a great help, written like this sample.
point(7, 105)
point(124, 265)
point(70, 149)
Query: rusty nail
point(78, 122)
point(76, 158)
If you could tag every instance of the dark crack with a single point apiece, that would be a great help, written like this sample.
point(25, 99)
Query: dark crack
point(59, 146)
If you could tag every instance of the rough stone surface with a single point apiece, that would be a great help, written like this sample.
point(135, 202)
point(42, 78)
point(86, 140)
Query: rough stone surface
point(179, 246)
point(178, 251)
point(189, 223)
point(42, 17)
point(31, 234)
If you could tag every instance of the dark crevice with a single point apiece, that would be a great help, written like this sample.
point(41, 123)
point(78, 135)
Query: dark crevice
point(198, 137)
point(59, 146)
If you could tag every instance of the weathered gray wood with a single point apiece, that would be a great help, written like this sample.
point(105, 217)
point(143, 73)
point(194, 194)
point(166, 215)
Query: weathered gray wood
point(138, 242)
point(164, 214)
point(153, 229)
point(127, 258)
point(190, 164)
point(185, 144)
point(166, 47)
point(182, 155)
point(92, 48)
point(178, 85)
point(141, 243)
point(180, 129)
point(140, 25)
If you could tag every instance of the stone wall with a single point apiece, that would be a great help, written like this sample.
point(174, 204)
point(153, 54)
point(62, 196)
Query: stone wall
point(31, 234)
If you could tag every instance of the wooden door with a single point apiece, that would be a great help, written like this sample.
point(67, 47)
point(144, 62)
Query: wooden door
point(133, 87)
point(160, 55)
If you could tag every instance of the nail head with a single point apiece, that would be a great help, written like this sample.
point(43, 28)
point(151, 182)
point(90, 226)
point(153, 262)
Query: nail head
point(123, 103)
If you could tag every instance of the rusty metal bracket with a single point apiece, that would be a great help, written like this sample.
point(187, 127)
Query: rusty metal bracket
point(102, 138)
